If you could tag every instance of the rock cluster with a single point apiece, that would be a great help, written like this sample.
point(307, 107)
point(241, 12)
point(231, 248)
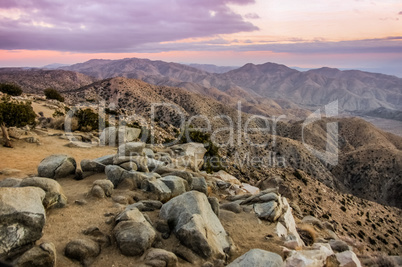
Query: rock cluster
point(188, 204)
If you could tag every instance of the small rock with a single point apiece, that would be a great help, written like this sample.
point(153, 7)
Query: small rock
point(199, 184)
point(43, 255)
point(338, 245)
point(98, 236)
point(159, 257)
point(106, 185)
point(82, 250)
point(97, 191)
point(233, 207)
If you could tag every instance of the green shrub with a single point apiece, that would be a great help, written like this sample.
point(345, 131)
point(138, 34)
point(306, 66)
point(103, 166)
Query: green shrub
point(51, 93)
point(88, 120)
point(16, 114)
point(10, 89)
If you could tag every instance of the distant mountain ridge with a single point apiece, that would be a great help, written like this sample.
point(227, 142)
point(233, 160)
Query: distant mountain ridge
point(36, 80)
point(354, 90)
point(213, 68)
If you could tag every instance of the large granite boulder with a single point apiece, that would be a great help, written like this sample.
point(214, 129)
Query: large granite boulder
point(196, 225)
point(57, 166)
point(22, 218)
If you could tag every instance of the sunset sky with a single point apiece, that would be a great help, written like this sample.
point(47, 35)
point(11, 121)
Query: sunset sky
point(309, 34)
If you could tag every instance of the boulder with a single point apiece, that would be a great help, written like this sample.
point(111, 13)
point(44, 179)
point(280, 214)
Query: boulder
point(258, 258)
point(156, 186)
point(105, 160)
point(92, 166)
point(113, 136)
point(43, 255)
point(114, 174)
point(188, 176)
point(233, 207)
point(98, 236)
point(129, 166)
point(149, 153)
point(22, 218)
point(196, 225)
point(176, 185)
point(141, 163)
point(102, 188)
point(250, 189)
point(199, 184)
point(348, 259)
point(54, 193)
point(133, 233)
point(156, 257)
point(270, 211)
point(131, 149)
point(83, 250)
point(292, 236)
point(57, 166)
point(189, 155)
point(226, 177)
point(316, 257)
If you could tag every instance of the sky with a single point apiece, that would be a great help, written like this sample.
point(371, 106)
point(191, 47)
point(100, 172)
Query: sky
point(346, 34)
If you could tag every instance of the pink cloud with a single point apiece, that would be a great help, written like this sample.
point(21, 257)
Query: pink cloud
point(115, 26)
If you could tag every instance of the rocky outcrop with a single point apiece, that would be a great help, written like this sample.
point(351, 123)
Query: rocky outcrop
point(22, 218)
point(57, 166)
point(258, 258)
point(196, 225)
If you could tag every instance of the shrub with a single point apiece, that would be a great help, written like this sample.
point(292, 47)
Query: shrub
point(51, 93)
point(10, 89)
point(16, 114)
point(88, 120)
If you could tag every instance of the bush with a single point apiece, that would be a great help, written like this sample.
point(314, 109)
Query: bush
point(10, 89)
point(88, 120)
point(51, 93)
point(16, 114)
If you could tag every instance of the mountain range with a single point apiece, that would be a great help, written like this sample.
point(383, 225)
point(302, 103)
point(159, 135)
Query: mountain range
point(354, 90)
point(370, 160)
